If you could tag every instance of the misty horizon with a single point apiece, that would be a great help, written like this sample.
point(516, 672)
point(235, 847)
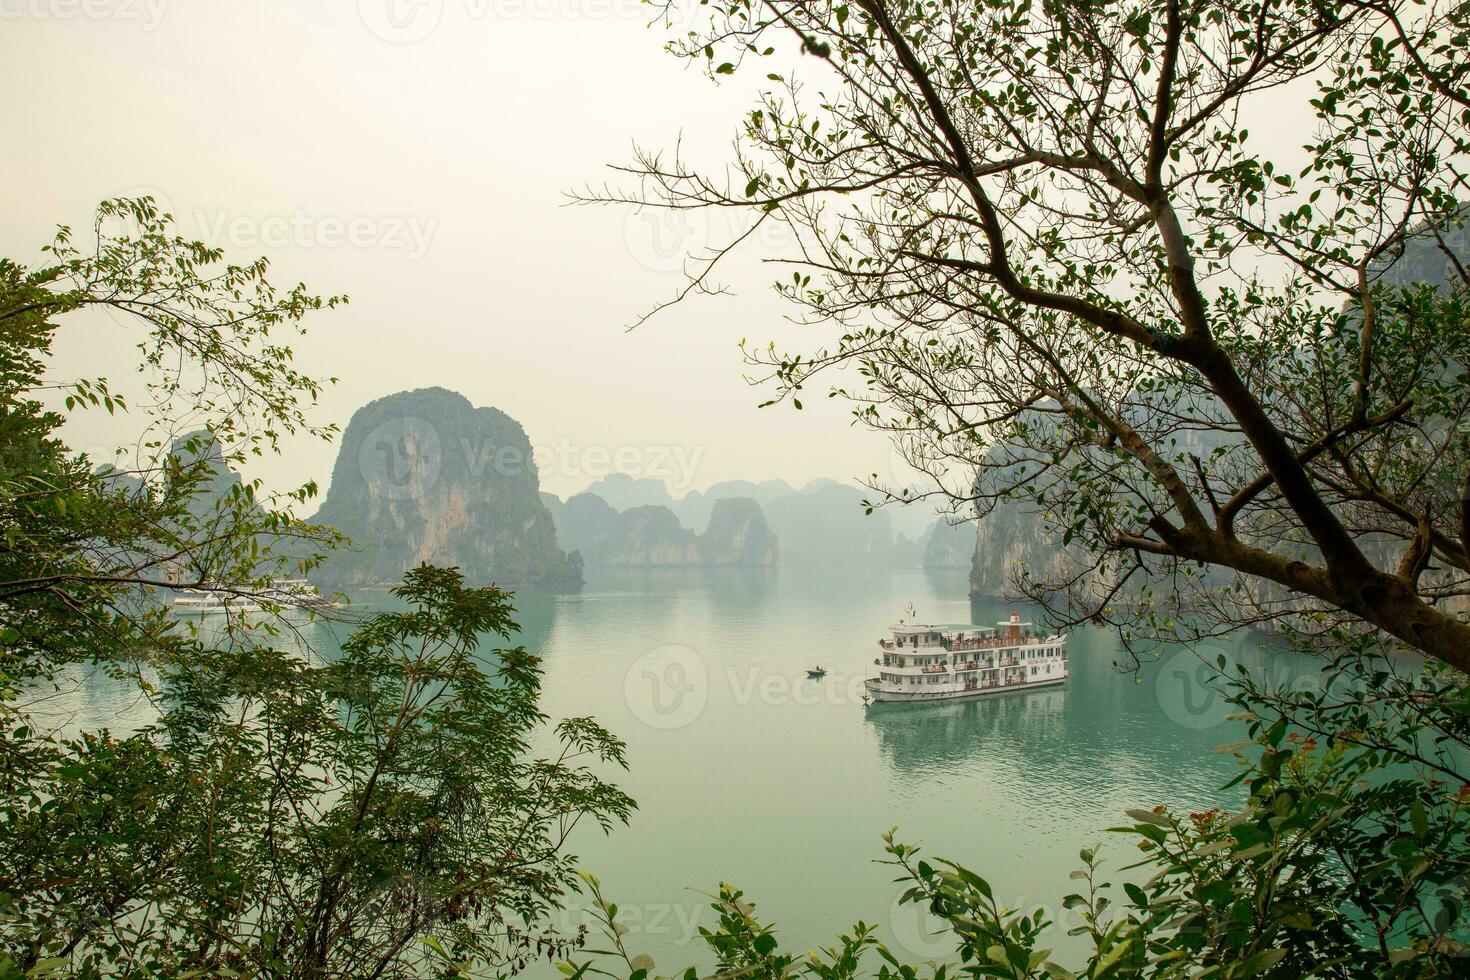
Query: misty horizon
point(378, 167)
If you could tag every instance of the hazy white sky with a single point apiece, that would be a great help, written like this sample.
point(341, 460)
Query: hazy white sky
point(414, 154)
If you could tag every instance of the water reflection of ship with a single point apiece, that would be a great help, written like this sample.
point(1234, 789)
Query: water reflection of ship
point(915, 737)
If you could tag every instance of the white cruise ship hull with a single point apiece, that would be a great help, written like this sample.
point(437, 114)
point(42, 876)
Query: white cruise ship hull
point(923, 662)
point(290, 598)
point(878, 691)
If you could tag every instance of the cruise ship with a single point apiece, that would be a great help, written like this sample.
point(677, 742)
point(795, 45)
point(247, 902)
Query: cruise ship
point(288, 596)
point(206, 602)
point(940, 663)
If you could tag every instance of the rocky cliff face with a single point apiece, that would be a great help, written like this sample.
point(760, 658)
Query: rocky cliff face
point(738, 535)
point(604, 535)
point(208, 477)
point(424, 476)
point(1014, 538)
point(553, 505)
point(1013, 535)
point(695, 508)
point(1424, 258)
point(653, 536)
point(907, 552)
point(949, 545)
point(1010, 539)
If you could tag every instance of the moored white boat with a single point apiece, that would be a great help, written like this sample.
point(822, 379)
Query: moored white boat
point(208, 602)
point(286, 595)
point(299, 594)
point(923, 662)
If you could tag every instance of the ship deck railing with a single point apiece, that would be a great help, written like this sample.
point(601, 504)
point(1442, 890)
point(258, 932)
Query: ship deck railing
point(997, 642)
point(964, 665)
point(976, 643)
point(971, 665)
point(987, 664)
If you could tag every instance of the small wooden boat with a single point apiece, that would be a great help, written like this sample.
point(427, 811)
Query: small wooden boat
point(816, 672)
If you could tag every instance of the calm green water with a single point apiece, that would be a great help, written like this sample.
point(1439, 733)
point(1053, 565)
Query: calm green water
point(748, 772)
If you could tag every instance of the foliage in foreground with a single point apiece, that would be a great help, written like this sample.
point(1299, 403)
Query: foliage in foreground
point(1034, 242)
point(380, 814)
point(366, 817)
point(1039, 241)
point(1350, 858)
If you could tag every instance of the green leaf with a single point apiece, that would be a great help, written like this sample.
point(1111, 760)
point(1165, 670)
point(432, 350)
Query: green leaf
point(1149, 816)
